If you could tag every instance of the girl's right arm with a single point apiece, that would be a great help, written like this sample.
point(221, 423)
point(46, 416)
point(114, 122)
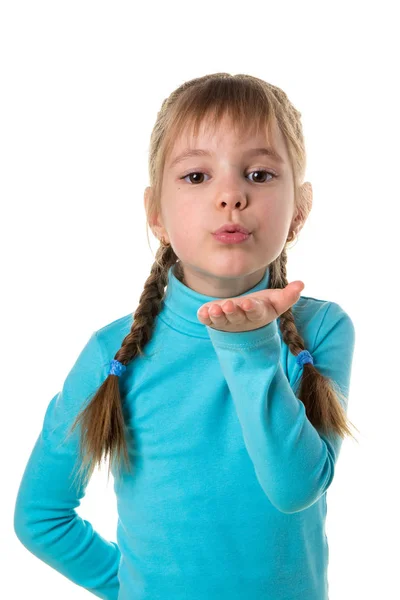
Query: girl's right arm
point(45, 519)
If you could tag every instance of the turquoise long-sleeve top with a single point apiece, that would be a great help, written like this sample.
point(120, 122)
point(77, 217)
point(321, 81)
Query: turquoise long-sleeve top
point(227, 495)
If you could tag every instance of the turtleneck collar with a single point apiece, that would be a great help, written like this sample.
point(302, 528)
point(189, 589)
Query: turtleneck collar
point(181, 303)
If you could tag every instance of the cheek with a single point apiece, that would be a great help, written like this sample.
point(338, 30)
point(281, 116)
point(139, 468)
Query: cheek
point(273, 224)
point(276, 212)
point(185, 237)
point(186, 225)
point(188, 236)
point(182, 212)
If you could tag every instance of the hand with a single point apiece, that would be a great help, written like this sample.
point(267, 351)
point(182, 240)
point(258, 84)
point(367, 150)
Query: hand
point(252, 311)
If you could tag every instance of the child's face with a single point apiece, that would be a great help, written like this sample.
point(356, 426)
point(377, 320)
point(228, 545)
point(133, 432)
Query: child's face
point(225, 191)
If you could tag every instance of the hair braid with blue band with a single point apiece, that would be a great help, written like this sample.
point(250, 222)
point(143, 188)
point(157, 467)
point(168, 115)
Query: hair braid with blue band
point(304, 357)
point(116, 368)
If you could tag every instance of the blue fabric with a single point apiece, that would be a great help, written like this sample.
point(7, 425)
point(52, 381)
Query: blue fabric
point(227, 498)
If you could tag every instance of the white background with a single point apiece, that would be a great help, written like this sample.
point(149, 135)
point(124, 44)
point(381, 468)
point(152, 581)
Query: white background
point(81, 85)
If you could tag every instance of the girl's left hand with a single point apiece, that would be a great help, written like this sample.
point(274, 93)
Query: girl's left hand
point(252, 311)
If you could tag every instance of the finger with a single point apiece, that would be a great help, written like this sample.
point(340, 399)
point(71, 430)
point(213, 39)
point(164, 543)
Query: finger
point(253, 309)
point(217, 315)
point(212, 310)
point(233, 312)
point(203, 316)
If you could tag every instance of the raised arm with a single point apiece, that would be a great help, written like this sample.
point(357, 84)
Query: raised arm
point(293, 463)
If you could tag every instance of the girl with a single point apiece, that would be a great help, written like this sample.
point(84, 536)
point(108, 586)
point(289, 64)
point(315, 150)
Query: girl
point(222, 402)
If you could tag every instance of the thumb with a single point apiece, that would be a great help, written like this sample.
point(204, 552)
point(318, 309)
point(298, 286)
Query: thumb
point(293, 290)
point(298, 284)
point(288, 296)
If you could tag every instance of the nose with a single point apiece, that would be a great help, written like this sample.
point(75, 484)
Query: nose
point(232, 200)
point(237, 204)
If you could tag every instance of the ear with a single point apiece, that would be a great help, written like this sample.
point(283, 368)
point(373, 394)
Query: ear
point(304, 208)
point(147, 197)
point(155, 223)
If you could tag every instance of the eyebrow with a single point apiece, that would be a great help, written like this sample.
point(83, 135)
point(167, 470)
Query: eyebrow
point(264, 151)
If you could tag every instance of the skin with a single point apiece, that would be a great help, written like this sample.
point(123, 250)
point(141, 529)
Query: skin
point(227, 189)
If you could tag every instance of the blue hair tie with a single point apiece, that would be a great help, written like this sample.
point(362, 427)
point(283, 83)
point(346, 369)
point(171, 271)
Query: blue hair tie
point(304, 357)
point(116, 368)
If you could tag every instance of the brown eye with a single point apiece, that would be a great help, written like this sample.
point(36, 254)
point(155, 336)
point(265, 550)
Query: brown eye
point(194, 173)
point(262, 171)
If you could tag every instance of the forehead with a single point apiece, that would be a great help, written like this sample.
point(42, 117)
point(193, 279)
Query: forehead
point(212, 136)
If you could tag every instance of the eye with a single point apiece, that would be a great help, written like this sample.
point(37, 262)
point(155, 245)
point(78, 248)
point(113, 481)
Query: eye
point(264, 171)
point(273, 175)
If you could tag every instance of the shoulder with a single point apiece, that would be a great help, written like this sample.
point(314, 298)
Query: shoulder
point(329, 335)
point(316, 318)
point(111, 335)
point(119, 325)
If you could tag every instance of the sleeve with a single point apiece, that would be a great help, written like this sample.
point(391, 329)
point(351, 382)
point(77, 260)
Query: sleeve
point(45, 520)
point(293, 463)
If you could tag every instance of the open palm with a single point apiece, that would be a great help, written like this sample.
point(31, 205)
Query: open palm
point(251, 311)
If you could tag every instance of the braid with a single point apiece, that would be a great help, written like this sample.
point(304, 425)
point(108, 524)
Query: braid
point(287, 325)
point(318, 393)
point(149, 306)
point(102, 421)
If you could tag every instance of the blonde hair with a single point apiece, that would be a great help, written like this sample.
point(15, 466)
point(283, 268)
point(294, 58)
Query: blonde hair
point(251, 104)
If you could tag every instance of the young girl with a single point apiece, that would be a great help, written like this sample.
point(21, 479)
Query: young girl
point(222, 402)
